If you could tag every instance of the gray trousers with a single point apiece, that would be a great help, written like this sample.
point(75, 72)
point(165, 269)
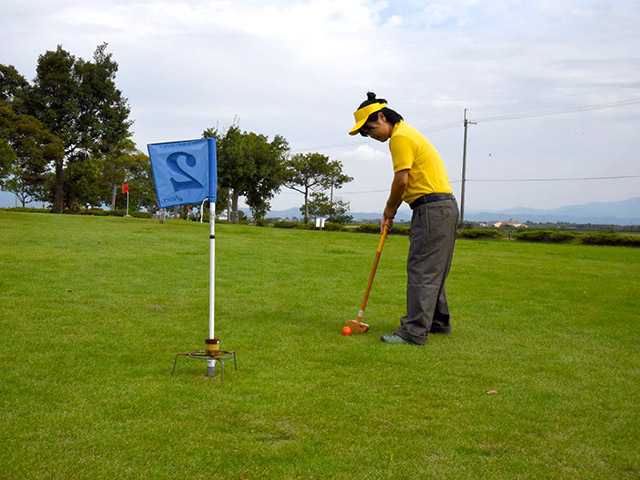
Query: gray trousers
point(432, 239)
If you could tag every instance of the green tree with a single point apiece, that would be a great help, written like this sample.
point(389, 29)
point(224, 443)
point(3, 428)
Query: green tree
point(122, 163)
point(7, 153)
point(82, 181)
point(78, 102)
point(25, 144)
point(223, 195)
point(320, 205)
point(231, 166)
point(12, 85)
point(250, 166)
point(142, 191)
point(310, 172)
point(268, 175)
point(26, 148)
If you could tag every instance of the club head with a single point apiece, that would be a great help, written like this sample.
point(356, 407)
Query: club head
point(357, 327)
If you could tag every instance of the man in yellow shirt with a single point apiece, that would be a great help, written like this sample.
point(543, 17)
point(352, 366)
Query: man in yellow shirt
point(421, 180)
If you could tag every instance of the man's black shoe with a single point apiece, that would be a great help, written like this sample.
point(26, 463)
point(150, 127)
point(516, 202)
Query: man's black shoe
point(395, 338)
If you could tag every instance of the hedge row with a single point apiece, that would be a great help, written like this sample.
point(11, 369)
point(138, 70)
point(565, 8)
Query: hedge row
point(115, 213)
point(336, 227)
point(479, 233)
point(26, 210)
point(93, 211)
point(375, 228)
point(332, 227)
point(545, 236)
point(600, 238)
point(611, 239)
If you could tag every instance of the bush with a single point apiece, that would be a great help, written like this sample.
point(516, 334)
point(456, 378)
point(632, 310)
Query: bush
point(334, 227)
point(286, 224)
point(375, 228)
point(614, 239)
point(479, 233)
point(98, 212)
point(26, 210)
point(368, 228)
point(400, 230)
point(545, 236)
point(74, 209)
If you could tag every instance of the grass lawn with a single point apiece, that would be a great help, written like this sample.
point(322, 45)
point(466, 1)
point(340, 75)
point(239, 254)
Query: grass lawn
point(539, 379)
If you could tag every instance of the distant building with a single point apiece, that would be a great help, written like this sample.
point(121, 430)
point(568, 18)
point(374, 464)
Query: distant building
point(508, 223)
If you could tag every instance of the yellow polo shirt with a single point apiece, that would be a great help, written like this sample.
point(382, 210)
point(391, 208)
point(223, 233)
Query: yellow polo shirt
point(410, 150)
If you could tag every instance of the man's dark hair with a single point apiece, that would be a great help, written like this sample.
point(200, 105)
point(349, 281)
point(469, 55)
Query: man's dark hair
point(391, 115)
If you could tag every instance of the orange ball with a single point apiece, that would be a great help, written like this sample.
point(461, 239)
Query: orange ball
point(346, 330)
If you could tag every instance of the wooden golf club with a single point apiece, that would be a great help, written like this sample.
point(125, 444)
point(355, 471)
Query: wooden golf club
point(356, 325)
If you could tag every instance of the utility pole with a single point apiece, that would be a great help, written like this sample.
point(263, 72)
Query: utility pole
point(464, 165)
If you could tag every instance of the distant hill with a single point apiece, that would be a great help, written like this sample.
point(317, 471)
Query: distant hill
point(625, 212)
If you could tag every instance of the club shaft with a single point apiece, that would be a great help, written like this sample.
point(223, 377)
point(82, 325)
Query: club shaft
point(373, 273)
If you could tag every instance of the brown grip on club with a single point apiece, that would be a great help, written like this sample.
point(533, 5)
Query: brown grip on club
point(383, 237)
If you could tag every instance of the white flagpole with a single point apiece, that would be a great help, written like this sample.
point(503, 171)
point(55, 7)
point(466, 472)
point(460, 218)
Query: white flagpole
point(211, 363)
point(213, 344)
point(212, 269)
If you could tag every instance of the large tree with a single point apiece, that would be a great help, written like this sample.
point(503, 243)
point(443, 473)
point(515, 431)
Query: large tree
point(78, 101)
point(335, 210)
point(12, 85)
point(268, 160)
point(310, 172)
point(26, 145)
point(250, 166)
point(138, 175)
point(123, 163)
point(26, 148)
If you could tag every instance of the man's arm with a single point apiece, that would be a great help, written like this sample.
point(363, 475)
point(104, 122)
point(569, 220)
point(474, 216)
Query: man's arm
point(398, 187)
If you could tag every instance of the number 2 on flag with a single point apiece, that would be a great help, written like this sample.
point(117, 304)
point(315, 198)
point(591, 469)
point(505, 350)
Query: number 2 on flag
point(172, 163)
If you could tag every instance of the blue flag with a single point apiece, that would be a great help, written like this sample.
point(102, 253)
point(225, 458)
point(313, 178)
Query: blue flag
point(184, 172)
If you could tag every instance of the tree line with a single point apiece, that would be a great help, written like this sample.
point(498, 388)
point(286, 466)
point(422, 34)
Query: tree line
point(65, 138)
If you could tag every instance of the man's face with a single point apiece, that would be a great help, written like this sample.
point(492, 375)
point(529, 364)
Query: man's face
point(379, 129)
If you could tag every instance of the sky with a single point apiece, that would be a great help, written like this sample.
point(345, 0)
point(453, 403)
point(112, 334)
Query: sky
point(552, 86)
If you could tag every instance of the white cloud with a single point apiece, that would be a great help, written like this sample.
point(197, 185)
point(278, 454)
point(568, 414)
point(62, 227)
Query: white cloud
point(365, 154)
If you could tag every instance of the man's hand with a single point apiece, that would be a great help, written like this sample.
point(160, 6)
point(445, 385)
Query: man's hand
point(387, 218)
point(399, 185)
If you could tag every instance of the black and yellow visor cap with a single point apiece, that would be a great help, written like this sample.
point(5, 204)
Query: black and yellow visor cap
point(363, 113)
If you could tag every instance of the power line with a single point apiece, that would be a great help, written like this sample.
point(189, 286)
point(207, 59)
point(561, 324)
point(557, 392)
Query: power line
point(497, 118)
point(386, 190)
point(547, 179)
point(518, 116)
point(561, 111)
point(343, 193)
point(509, 180)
